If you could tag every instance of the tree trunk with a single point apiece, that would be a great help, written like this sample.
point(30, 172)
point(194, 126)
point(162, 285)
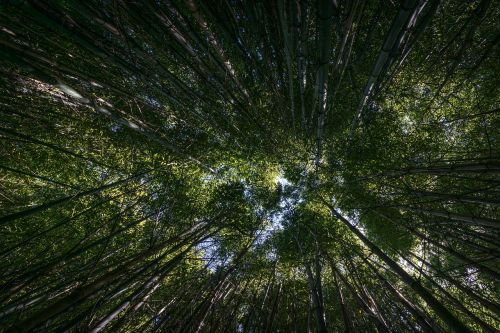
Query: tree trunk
point(453, 323)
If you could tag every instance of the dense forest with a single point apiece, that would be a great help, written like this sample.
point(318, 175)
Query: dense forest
point(249, 166)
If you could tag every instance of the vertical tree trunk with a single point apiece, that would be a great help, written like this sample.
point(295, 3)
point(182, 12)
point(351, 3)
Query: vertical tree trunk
point(320, 316)
point(453, 323)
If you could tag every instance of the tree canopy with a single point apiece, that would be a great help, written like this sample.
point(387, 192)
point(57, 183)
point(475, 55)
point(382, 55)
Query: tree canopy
point(249, 166)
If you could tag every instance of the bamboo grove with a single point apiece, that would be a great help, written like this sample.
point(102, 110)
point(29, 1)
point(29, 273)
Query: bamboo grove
point(249, 166)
